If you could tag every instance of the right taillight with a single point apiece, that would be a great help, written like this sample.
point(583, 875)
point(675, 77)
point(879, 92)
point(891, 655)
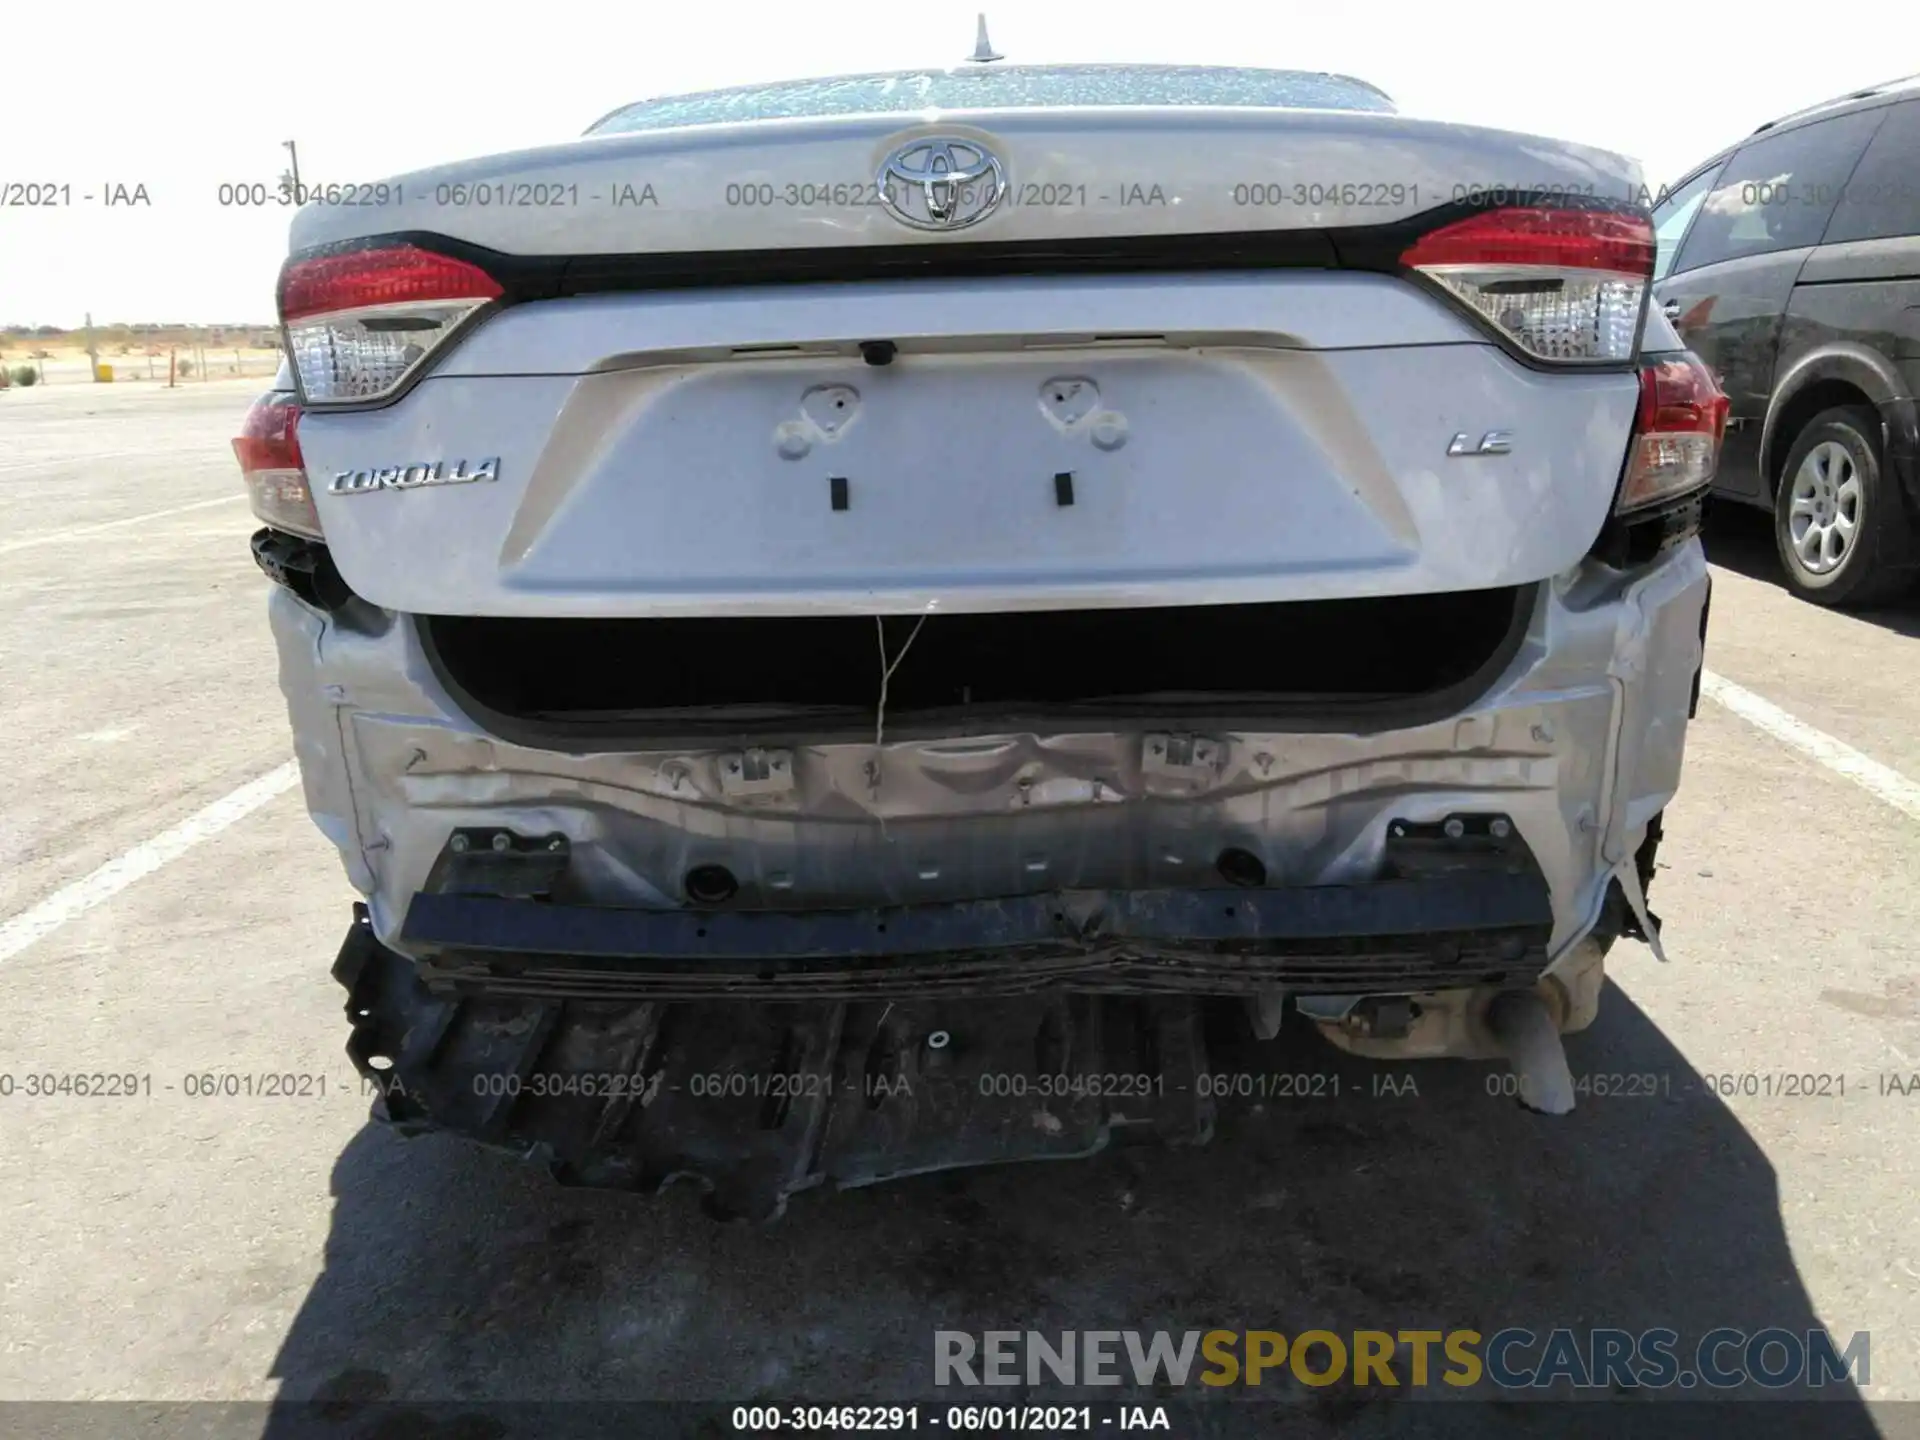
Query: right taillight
point(1677, 430)
point(1563, 285)
point(268, 449)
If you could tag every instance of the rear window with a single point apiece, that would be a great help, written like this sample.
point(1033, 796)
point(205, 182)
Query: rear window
point(993, 88)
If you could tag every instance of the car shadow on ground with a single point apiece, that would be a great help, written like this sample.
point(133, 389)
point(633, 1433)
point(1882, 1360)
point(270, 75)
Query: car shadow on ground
point(1740, 538)
point(456, 1277)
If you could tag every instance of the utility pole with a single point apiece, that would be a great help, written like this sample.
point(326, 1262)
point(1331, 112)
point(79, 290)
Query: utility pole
point(293, 166)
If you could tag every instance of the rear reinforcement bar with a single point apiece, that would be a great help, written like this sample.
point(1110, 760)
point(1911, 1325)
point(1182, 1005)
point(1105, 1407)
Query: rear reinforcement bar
point(1459, 902)
point(1404, 935)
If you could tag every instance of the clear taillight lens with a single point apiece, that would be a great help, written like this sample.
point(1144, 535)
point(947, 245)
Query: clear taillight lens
point(1676, 432)
point(360, 322)
point(268, 449)
point(1563, 285)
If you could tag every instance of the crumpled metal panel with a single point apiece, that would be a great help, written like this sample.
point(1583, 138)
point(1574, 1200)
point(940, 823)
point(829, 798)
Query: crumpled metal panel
point(1578, 742)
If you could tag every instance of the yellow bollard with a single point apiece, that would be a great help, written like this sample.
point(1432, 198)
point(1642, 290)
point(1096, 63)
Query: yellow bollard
point(103, 374)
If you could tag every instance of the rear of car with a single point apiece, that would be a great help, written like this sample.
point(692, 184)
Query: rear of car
point(821, 637)
point(1791, 264)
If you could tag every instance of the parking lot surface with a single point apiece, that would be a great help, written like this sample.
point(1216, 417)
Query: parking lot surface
point(173, 1247)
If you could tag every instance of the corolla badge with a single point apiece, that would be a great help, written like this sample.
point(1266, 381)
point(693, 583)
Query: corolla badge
point(412, 477)
point(941, 182)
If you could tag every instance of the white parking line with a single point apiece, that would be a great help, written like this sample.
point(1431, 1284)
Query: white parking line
point(142, 860)
point(76, 532)
point(89, 457)
point(75, 461)
point(1881, 781)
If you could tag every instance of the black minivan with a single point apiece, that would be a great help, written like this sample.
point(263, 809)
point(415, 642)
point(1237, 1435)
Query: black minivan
point(1790, 263)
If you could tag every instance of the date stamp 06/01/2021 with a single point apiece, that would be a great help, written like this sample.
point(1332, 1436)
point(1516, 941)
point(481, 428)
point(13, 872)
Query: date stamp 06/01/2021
point(1257, 1087)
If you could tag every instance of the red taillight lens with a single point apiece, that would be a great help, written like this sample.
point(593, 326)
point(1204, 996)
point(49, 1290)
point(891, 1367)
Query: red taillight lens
point(388, 275)
point(1557, 239)
point(1564, 285)
point(1680, 395)
point(268, 449)
point(359, 323)
point(1681, 419)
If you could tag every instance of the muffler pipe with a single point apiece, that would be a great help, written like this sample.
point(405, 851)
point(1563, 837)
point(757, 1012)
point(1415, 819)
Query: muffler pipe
point(711, 885)
point(1529, 1037)
point(1241, 867)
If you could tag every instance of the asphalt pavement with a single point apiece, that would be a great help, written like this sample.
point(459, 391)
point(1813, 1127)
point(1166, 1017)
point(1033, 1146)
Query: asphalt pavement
point(164, 1246)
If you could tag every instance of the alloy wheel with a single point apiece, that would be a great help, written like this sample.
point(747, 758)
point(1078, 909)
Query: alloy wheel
point(1823, 514)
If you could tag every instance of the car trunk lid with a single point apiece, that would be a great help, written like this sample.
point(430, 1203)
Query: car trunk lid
point(1273, 154)
point(1245, 402)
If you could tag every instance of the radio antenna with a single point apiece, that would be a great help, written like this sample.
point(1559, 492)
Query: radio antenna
point(983, 51)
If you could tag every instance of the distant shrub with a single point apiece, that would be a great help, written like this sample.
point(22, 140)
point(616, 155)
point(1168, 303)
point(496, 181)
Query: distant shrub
point(184, 367)
point(25, 375)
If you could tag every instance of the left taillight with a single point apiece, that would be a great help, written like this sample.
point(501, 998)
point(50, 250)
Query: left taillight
point(1564, 285)
point(268, 449)
point(361, 322)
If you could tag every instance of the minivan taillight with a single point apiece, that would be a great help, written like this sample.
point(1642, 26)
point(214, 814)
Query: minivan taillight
point(1677, 430)
point(361, 322)
point(1563, 285)
point(268, 449)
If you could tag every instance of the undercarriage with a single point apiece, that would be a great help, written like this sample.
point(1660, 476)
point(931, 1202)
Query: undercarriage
point(756, 1101)
point(759, 1053)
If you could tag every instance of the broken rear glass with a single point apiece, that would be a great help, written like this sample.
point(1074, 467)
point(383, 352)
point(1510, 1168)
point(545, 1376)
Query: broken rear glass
point(1015, 86)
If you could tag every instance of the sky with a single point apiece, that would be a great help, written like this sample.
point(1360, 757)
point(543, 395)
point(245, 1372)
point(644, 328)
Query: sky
point(180, 99)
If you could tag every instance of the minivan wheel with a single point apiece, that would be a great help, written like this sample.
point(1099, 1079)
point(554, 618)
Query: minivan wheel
point(1842, 535)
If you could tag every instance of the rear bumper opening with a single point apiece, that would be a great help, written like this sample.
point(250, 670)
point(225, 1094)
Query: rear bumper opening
point(1392, 660)
point(1578, 742)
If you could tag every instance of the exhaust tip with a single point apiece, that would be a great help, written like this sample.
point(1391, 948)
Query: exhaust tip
point(711, 885)
point(1241, 867)
point(1529, 1036)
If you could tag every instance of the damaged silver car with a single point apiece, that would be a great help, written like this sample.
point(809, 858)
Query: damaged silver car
point(825, 620)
